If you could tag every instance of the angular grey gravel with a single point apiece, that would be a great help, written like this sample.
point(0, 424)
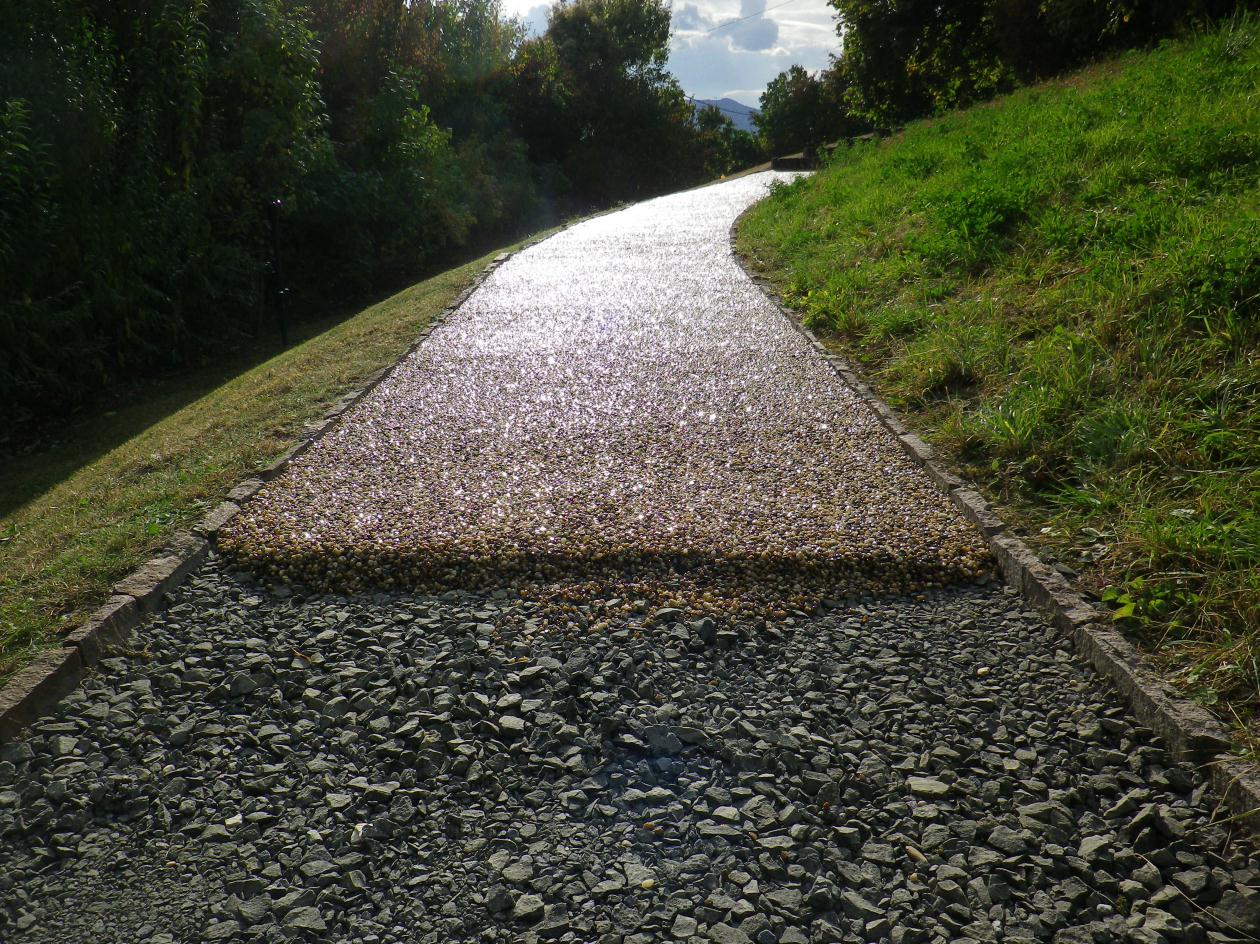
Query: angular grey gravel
point(1063, 821)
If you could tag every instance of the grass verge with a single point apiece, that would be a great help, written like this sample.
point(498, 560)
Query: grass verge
point(80, 515)
point(1062, 288)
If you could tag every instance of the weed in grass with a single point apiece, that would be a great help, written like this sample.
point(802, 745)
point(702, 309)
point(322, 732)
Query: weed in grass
point(1111, 435)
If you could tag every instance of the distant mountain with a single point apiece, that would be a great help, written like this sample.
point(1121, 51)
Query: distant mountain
point(738, 112)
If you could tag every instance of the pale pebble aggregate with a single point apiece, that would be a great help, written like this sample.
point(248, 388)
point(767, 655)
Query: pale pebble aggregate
point(619, 398)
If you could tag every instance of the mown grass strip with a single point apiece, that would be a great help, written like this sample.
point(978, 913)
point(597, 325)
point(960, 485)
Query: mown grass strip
point(1063, 288)
point(81, 515)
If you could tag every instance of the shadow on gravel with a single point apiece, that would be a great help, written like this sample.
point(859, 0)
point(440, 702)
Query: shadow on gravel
point(701, 583)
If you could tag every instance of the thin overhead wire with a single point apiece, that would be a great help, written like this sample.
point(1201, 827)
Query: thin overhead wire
point(748, 17)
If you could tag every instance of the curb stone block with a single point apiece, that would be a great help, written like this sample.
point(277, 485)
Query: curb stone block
point(153, 580)
point(1012, 557)
point(916, 447)
point(345, 403)
point(885, 415)
point(976, 510)
point(190, 548)
point(314, 429)
point(1070, 620)
point(1238, 784)
point(149, 582)
point(271, 471)
point(945, 480)
point(1189, 730)
point(37, 688)
point(338, 408)
point(1069, 610)
point(1040, 583)
point(216, 518)
point(245, 490)
point(107, 631)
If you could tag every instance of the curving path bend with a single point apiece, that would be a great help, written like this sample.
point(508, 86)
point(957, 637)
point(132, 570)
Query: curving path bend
point(619, 621)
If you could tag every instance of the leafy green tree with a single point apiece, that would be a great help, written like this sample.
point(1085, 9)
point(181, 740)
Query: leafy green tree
point(540, 98)
point(800, 110)
point(914, 57)
point(790, 117)
point(424, 149)
point(142, 140)
point(610, 44)
point(162, 127)
point(601, 106)
point(726, 148)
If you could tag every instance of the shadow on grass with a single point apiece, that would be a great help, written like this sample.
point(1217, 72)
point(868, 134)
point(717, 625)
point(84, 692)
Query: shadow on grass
point(38, 455)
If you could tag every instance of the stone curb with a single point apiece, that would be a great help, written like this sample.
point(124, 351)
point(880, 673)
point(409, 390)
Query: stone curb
point(107, 631)
point(38, 687)
point(1190, 731)
point(50, 677)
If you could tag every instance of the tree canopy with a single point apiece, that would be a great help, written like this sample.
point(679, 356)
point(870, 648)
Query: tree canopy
point(142, 140)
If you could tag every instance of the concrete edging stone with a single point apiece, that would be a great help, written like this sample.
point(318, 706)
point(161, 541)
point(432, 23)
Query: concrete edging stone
point(53, 674)
point(48, 678)
point(1190, 731)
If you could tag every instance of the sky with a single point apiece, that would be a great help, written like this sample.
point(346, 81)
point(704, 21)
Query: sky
point(735, 61)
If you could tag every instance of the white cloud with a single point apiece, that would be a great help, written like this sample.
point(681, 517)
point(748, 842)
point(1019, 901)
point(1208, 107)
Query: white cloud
point(535, 18)
point(754, 34)
point(714, 60)
point(689, 17)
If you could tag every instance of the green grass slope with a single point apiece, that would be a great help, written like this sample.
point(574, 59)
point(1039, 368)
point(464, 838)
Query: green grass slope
point(1062, 288)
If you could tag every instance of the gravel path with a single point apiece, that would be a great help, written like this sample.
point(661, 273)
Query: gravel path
point(613, 753)
point(619, 397)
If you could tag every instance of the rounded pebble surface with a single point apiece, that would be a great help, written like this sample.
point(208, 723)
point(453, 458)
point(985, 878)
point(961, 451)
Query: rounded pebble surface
point(612, 617)
point(618, 397)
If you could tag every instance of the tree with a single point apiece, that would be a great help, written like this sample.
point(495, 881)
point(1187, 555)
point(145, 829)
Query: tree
point(909, 58)
point(609, 42)
point(597, 101)
point(906, 59)
point(726, 148)
point(161, 128)
point(141, 140)
point(790, 117)
point(540, 100)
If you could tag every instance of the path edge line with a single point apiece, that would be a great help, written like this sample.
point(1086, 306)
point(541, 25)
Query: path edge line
point(1190, 731)
point(34, 690)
